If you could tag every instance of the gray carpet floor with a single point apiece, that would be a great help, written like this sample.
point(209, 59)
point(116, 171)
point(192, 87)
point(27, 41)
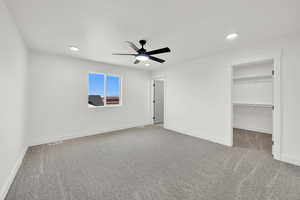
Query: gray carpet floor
point(151, 164)
point(252, 140)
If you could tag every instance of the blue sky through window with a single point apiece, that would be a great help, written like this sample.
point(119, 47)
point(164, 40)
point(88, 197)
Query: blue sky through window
point(112, 86)
point(96, 85)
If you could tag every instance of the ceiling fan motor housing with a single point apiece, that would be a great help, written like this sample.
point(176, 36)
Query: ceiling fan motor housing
point(142, 50)
point(143, 54)
point(143, 42)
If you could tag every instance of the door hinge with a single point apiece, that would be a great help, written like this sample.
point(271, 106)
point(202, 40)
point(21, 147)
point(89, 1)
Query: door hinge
point(273, 72)
point(153, 101)
point(153, 118)
point(153, 84)
point(273, 107)
point(272, 142)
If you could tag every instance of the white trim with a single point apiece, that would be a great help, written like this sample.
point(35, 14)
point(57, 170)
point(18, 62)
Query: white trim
point(267, 77)
point(106, 106)
point(12, 175)
point(290, 160)
point(188, 133)
point(255, 62)
point(158, 77)
point(84, 134)
point(277, 114)
point(248, 104)
point(230, 137)
point(254, 129)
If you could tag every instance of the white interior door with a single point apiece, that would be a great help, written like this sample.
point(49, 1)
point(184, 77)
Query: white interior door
point(158, 101)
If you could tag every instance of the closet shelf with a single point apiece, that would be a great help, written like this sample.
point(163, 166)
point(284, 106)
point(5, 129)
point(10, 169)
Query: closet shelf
point(263, 105)
point(249, 78)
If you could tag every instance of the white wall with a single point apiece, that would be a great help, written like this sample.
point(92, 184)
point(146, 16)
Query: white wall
point(198, 94)
point(59, 95)
point(12, 99)
point(195, 99)
point(253, 118)
point(290, 101)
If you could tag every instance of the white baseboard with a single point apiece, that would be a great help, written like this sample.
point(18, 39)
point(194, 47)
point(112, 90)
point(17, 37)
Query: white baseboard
point(83, 134)
point(4, 190)
point(291, 160)
point(184, 132)
point(255, 130)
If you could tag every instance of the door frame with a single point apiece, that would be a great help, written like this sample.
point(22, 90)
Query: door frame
point(277, 119)
point(152, 97)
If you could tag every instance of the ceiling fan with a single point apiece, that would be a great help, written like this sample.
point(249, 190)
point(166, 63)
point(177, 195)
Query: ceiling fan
point(144, 55)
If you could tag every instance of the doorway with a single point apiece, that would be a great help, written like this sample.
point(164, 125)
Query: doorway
point(158, 102)
point(254, 98)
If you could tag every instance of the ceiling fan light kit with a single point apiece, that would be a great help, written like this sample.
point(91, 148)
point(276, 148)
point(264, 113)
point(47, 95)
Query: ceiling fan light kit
point(142, 57)
point(143, 54)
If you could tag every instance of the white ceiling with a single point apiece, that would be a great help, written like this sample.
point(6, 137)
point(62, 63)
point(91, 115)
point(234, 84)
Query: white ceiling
point(191, 28)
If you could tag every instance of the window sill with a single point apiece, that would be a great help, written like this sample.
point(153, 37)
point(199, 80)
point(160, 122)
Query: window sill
point(106, 106)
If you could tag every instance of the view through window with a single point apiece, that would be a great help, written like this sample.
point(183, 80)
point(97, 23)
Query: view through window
point(103, 90)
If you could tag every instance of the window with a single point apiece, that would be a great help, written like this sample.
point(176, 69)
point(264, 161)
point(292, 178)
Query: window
point(104, 90)
point(112, 90)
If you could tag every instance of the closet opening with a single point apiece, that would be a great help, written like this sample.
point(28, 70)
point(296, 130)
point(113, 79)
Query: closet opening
point(253, 105)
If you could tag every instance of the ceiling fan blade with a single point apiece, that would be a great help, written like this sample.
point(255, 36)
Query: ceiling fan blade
point(157, 59)
point(132, 45)
point(158, 51)
point(124, 54)
point(136, 62)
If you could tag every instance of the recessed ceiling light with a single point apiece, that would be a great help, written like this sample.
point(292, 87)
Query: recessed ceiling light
point(232, 36)
point(147, 64)
point(73, 48)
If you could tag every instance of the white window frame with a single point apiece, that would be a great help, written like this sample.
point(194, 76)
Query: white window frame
point(105, 90)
